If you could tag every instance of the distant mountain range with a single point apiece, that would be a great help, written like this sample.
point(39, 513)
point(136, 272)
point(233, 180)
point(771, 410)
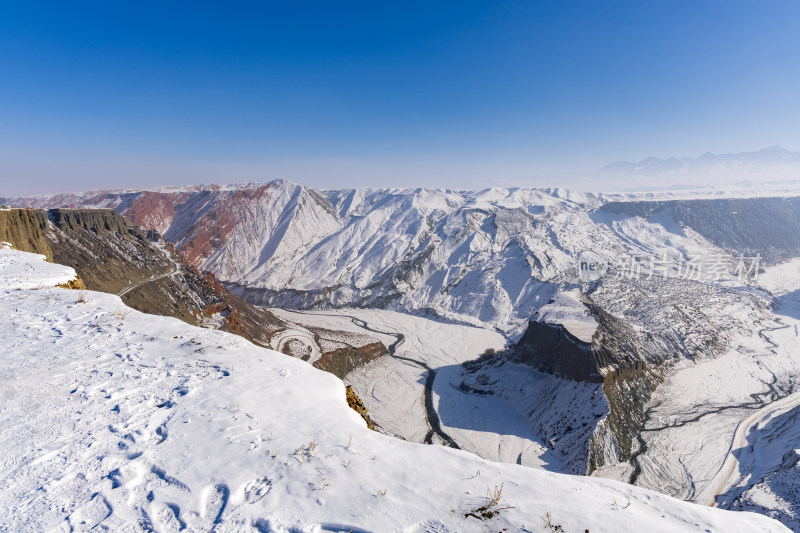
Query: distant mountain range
point(770, 165)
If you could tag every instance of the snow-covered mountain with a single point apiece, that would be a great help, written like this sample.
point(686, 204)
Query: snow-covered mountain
point(114, 420)
point(483, 257)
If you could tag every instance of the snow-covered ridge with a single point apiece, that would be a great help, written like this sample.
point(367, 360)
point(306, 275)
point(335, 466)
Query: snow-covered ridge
point(113, 419)
point(493, 256)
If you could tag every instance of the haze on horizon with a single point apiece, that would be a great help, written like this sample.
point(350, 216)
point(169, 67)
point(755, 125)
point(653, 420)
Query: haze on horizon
point(458, 94)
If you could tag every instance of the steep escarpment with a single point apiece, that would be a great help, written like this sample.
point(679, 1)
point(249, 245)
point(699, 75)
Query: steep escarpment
point(106, 250)
point(554, 350)
point(26, 229)
point(611, 360)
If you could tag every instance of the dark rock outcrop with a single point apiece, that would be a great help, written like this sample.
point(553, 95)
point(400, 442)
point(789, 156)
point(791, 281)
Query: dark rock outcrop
point(554, 350)
point(358, 406)
point(342, 361)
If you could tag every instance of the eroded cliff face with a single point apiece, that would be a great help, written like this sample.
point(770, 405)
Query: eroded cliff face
point(106, 250)
point(26, 229)
point(554, 350)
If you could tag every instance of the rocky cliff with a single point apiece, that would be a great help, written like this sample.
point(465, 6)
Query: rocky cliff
point(552, 349)
point(26, 229)
point(106, 250)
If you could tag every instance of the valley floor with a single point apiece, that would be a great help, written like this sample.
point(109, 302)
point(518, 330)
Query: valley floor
point(705, 430)
point(394, 388)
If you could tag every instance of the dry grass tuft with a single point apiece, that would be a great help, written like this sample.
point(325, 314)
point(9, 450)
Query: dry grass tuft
point(548, 522)
point(492, 507)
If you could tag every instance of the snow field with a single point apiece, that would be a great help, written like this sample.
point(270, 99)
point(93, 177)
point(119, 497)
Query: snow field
point(32, 273)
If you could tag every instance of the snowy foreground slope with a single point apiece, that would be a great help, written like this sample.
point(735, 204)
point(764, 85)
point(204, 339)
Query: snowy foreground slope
point(121, 421)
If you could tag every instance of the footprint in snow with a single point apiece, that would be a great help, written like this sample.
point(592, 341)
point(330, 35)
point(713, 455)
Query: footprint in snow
point(257, 489)
point(166, 517)
point(161, 434)
point(432, 526)
point(90, 514)
point(216, 498)
point(161, 475)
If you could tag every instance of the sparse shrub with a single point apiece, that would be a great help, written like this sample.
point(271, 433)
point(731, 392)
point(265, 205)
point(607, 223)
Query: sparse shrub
point(492, 507)
point(548, 522)
point(306, 450)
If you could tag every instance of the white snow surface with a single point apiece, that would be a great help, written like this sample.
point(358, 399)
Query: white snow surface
point(568, 310)
point(118, 421)
point(33, 273)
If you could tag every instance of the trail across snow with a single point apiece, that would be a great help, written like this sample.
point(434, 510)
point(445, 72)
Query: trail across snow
point(176, 268)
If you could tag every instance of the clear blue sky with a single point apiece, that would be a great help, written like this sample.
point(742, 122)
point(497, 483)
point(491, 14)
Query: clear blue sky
point(336, 94)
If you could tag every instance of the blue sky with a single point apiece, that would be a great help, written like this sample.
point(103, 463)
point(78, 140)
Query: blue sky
point(338, 94)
